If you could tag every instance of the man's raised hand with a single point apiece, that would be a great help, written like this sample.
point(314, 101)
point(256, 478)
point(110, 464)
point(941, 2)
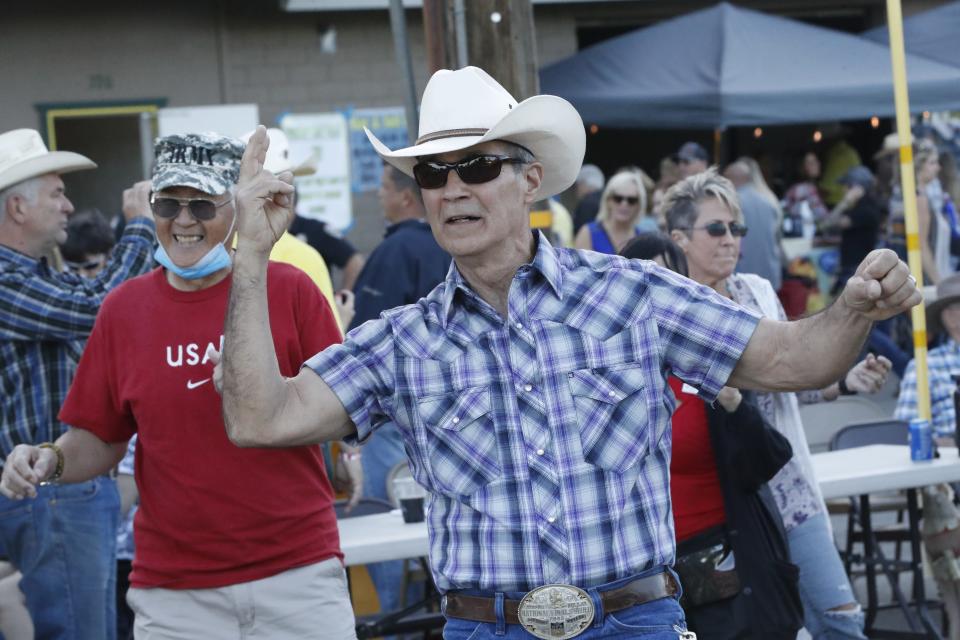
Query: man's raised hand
point(882, 287)
point(264, 202)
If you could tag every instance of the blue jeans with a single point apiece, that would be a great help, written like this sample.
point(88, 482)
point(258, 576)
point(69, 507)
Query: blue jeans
point(823, 583)
point(64, 542)
point(880, 342)
point(656, 620)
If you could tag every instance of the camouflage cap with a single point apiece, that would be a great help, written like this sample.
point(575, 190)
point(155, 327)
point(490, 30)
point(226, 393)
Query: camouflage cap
point(207, 162)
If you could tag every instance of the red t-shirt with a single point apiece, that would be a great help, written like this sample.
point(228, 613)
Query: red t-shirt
point(694, 483)
point(211, 514)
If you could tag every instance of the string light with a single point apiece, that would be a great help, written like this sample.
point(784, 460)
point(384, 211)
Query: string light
point(875, 122)
point(594, 128)
point(817, 136)
point(757, 132)
point(926, 115)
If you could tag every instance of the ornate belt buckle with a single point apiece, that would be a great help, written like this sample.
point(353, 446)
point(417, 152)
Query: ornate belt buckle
point(556, 611)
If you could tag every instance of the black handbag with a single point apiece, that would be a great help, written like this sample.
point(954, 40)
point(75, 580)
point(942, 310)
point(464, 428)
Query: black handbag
point(698, 565)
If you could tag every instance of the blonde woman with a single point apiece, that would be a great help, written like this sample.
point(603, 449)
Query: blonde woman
point(934, 230)
point(621, 217)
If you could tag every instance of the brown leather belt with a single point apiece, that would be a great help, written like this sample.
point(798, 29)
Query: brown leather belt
point(639, 591)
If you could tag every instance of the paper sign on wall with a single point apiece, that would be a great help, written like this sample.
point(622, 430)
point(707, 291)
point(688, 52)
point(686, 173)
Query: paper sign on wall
point(389, 124)
point(326, 194)
point(233, 120)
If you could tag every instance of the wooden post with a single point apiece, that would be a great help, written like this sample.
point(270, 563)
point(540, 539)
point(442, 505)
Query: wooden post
point(439, 35)
point(501, 40)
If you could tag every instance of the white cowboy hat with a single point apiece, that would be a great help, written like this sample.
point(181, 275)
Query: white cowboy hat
point(466, 107)
point(23, 156)
point(278, 155)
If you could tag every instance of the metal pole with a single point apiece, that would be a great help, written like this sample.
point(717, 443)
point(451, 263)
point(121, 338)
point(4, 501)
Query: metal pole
point(908, 186)
point(399, 27)
point(146, 143)
point(460, 24)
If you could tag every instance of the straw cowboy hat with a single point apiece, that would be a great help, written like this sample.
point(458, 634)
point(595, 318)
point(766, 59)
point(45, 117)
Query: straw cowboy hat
point(278, 155)
point(948, 292)
point(23, 156)
point(891, 145)
point(466, 107)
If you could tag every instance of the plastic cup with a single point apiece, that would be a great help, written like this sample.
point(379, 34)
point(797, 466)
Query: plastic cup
point(410, 495)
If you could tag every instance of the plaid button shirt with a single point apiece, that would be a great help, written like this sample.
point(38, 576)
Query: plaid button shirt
point(543, 438)
point(45, 317)
point(943, 365)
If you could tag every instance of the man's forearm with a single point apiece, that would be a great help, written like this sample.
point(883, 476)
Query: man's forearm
point(86, 456)
point(809, 353)
point(253, 387)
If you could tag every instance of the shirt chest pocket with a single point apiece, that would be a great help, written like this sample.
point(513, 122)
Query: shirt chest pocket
point(613, 415)
point(461, 438)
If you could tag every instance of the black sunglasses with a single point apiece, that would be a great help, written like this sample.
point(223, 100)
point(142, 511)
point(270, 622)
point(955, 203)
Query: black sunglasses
point(718, 229)
point(475, 170)
point(169, 208)
point(619, 199)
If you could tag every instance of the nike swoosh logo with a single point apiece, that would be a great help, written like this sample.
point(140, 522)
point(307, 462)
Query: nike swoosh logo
point(193, 385)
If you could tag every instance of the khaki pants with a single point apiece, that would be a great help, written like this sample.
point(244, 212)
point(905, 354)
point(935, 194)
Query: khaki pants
point(307, 602)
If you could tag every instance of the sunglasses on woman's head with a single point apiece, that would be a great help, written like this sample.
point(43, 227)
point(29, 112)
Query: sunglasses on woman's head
point(619, 199)
point(432, 174)
point(718, 229)
point(200, 208)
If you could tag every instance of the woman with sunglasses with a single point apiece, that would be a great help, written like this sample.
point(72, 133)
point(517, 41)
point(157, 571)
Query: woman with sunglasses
point(622, 215)
point(723, 456)
point(704, 219)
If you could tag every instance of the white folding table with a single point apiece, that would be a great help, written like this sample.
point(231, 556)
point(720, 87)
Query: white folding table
point(848, 472)
point(380, 537)
point(876, 468)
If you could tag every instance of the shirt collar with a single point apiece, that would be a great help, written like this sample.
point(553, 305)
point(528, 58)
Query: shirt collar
point(545, 261)
point(17, 259)
point(396, 226)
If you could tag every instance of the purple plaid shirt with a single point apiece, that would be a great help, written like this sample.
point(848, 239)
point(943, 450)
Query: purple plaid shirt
point(543, 439)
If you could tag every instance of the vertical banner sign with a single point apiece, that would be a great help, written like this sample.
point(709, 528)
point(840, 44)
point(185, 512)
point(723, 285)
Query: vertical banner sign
point(389, 124)
point(325, 195)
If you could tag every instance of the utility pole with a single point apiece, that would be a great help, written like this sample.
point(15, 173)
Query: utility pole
point(502, 40)
point(496, 35)
point(439, 35)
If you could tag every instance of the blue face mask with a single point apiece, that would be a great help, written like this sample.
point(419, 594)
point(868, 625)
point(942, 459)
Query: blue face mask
point(214, 260)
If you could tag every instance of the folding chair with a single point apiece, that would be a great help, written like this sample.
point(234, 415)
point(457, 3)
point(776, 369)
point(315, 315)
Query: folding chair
point(858, 435)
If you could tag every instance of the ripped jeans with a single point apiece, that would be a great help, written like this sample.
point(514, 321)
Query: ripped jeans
point(823, 583)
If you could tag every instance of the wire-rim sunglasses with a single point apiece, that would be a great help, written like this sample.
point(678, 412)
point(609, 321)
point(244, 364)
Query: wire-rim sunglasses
point(168, 207)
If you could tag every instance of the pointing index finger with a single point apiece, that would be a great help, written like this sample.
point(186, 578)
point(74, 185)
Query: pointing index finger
point(255, 153)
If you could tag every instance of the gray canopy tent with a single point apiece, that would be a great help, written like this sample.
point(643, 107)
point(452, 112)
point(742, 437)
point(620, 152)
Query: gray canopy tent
point(933, 34)
point(727, 66)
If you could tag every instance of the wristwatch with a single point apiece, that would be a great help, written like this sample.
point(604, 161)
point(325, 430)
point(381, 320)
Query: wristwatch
point(844, 389)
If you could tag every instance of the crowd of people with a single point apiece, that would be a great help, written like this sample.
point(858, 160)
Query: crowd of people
point(593, 423)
